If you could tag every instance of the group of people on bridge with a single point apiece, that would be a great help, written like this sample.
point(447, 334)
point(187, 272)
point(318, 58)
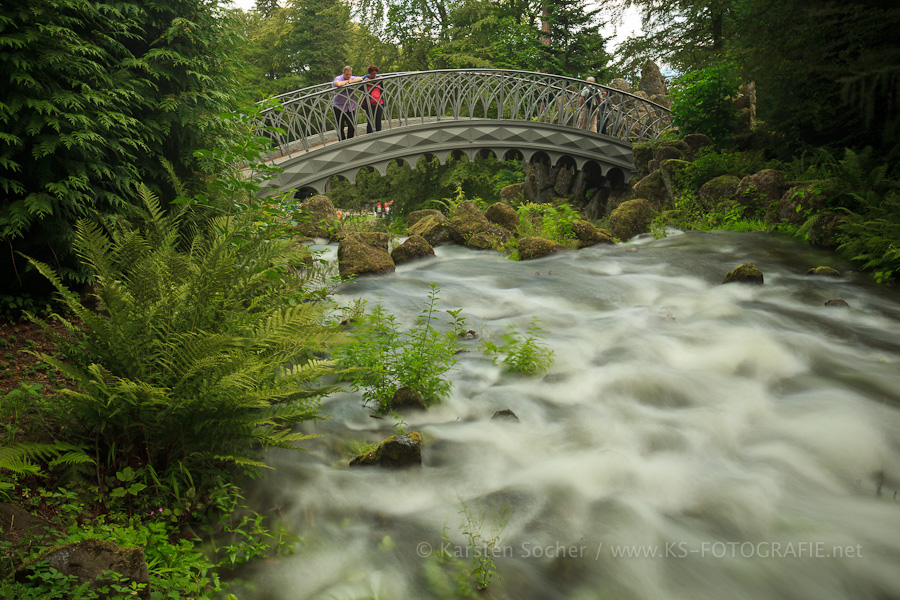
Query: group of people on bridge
point(345, 102)
point(591, 102)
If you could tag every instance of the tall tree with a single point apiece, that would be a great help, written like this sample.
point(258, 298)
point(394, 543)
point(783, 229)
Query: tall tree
point(576, 48)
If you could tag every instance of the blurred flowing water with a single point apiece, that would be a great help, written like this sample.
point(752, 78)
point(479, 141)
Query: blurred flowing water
point(692, 440)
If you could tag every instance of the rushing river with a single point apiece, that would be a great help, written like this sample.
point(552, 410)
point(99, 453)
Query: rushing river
point(692, 440)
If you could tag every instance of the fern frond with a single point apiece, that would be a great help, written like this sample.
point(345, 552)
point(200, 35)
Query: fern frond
point(19, 458)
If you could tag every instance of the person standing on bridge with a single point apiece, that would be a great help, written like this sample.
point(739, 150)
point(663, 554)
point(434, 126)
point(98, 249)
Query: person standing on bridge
point(589, 101)
point(374, 100)
point(345, 103)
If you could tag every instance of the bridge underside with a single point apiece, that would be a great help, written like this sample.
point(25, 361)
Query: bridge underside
point(313, 168)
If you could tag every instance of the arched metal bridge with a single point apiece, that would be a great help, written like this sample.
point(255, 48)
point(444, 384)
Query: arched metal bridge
point(473, 111)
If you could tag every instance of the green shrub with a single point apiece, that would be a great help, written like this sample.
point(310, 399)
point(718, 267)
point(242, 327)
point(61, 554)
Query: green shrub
point(382, 358)
point(548, 221)
point(521, 353)
point(703, 100)
point(197, 359)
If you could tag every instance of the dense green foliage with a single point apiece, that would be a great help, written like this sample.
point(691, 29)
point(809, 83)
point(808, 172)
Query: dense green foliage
point(703, 100)
point(382, 357)
point(429, 184)
point(96, 98)
point(305, 42)
point(198, 357)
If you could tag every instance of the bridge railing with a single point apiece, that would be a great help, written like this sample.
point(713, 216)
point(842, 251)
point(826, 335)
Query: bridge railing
point(308, 120)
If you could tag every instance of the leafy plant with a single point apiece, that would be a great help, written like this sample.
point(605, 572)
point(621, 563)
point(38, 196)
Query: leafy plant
point(551, 222)
point(381, 358)
point(703, 100)
point(484, 539)
point(197, 360)
point(521, 353)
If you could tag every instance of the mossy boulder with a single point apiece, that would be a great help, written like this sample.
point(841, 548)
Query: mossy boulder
point(503, 215)
point(505, 415)
point(588, 235)
point(530, 248)
point(319, 217)
point(364, 254)
point(826, 271)
point(696, 141)
point(617, 197)
point(643, 154)
point(407, 398)
point(762, 192)
point(671, 170)
point(718, 191)
point(745, 273)
point(414, 247)
point(652, 188)
point(88, 559)
point(396, 451)
point(514, 191)
point(433, 226)
point(469, 227)
point(823, 232)
point(672, 149)
point(631, 218)
point(837, 302)
point(417, 215)
point(799, 201)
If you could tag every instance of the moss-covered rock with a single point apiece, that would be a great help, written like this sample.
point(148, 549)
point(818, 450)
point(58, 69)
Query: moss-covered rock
point(799, 201)
point(643, 154)
point(746, 273)
point(407, 398)
point(718, 191)
point(631, 218)
point(88, 559)
point(505, 415)
point(395, 452)
point(837, 303)
point(434, 227)
point(319, 217)
point(417, 215)
point(696, 141)
point(826, 271)
point(489, 240)
point(588, 235)
point(672, 149)
point(414, 247)
point(652, 188)
point(762, 192)
point(514, 191)
point(671, 171)
point(530, 248)
point(503, 215)
point(359, 255)
point(469, 227)
point(617, 197)
point(823, 232)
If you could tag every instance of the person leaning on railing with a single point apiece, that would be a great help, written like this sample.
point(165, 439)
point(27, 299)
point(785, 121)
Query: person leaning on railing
point(345, 103)
point(374, 100)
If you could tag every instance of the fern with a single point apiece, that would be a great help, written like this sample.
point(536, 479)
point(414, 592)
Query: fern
point(204, 352)
point(23, 458)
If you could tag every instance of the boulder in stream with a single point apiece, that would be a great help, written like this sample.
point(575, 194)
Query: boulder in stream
point(394, 452)
point(746, 273)
point(827, 271)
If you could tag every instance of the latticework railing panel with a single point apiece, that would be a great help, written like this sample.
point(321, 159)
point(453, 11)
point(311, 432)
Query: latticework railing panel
point(307, 117)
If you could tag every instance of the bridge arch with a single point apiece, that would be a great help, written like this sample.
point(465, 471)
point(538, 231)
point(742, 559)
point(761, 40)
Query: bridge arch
point(470, 111)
